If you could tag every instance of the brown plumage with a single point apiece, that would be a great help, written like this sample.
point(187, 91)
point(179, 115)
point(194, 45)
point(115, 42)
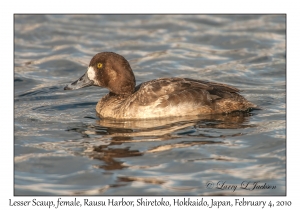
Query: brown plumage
point(164, 97)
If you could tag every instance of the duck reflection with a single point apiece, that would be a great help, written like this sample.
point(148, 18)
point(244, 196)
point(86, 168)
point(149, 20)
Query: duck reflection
point(120, 134)
point(108, 154)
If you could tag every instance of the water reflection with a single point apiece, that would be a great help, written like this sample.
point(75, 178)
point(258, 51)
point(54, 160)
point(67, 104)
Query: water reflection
point(118, 132)
point(108, 154)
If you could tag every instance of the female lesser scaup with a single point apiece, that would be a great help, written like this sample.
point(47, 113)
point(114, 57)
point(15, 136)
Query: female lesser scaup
point(164, 97)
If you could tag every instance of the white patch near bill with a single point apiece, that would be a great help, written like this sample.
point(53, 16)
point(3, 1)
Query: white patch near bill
point(91, 73)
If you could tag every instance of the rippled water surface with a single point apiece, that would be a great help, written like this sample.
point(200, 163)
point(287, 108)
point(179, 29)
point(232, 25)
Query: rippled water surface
point(62, 148)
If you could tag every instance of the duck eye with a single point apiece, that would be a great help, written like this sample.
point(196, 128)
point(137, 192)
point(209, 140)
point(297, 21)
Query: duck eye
point(99, 65)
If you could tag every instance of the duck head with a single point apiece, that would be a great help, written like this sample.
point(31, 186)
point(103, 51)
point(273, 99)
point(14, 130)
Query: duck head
point(108, 70)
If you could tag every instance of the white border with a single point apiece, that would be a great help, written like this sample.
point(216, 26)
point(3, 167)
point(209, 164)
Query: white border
point(117, 6)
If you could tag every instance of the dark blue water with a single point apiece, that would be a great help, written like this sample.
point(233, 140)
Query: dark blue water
point(62, 148)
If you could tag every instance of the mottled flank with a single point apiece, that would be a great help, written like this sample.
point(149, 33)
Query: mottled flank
point(164, 97)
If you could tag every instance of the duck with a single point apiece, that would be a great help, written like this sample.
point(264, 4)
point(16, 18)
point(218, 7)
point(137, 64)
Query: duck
point(158, 98)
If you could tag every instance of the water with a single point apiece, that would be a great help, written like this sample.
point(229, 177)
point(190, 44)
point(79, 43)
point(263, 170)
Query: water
point(62, 148)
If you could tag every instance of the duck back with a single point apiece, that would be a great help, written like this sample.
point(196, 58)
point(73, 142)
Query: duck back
point(168, 97)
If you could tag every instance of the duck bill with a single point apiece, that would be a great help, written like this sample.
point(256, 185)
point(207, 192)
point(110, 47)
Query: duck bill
point(82, 82)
